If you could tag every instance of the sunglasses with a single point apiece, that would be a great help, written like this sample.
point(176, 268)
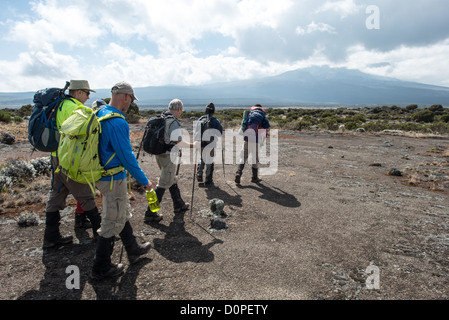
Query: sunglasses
point(86, 92)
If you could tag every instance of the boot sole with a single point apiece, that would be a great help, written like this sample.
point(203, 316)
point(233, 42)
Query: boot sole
point(134, 259)
point(183, 209)
point(98, 277)
point(49, 245)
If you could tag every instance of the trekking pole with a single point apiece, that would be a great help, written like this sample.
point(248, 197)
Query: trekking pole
point(193, 185)
point(179, 161)
point(141, 143)
point(121, 254)
point(223, 159)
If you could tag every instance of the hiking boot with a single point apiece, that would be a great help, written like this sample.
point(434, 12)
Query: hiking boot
point(61, 241)
point(199, 178)
point(103, 267)
point(81, 221)
point(239, 173)
point(183, 208)
point(95, 219)
point(138, 251)
point(237, 178)
point(52, 236)
point(113, 271)
point(178, 204)
point(152, 217)
point(133, 249)
point(209, 183)
point(255, 178)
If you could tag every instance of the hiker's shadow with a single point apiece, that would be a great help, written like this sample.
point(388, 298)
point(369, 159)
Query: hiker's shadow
point(216, 192)
point(120, 288)
point(60, 281)
point(273, 194)
point(180, 246)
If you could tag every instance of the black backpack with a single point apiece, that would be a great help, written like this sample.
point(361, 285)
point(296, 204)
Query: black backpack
point(205, 125)
point(153, 138)
point(43, 132)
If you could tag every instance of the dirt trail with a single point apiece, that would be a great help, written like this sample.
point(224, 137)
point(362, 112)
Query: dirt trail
point(308, 232)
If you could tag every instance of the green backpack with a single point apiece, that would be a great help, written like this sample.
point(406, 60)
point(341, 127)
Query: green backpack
point(78, 151)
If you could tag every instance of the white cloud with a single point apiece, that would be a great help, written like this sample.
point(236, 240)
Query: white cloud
point(152, 42)
point(421, 64)
point(38, 69)
point(315, 27)
point(343, 7)
point(56, 24)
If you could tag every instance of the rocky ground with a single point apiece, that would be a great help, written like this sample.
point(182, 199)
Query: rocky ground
point(335, 222)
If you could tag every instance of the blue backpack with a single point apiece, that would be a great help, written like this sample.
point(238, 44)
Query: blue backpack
point(43, 132)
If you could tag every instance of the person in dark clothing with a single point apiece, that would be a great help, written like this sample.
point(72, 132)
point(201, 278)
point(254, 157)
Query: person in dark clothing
point(256, 120)
point(205, 123)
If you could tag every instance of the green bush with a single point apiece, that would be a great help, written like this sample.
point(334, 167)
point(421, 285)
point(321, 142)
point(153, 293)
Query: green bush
point(411, 108)
point(409, 126)
point(18, 119)
point(351, 125)
point(426, 116)
point(5, 116)
point(376, 126)
point(297, 125)
point(437, 108)
point(280, 122)
point(25, 110)
point(444, 118)
point(331, 123)
point(439, 127)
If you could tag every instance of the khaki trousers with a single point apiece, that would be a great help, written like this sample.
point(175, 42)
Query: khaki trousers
point(115, 211)
point(168, 171)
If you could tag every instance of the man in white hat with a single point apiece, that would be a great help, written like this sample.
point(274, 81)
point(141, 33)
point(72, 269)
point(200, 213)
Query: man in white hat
point(62, 186)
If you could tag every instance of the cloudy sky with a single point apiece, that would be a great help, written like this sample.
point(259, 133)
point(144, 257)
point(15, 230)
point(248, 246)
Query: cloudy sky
point(153, 42)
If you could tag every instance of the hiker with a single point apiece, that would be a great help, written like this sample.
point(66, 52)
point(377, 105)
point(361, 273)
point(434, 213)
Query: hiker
point(256, 120)
point(168, 178)
point(114, 139)
point(62, 186)
point(80, 218)
point(205, 123)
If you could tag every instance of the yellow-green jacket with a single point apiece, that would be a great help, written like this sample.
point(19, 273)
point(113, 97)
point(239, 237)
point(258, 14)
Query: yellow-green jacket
point(65, 111)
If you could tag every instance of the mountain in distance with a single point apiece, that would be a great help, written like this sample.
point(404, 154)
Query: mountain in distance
point(312, 86)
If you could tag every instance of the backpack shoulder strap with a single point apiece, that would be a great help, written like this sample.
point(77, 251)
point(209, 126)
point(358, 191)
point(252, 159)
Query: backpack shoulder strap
point(61, 103)
point(110, 116)
point(167, 115)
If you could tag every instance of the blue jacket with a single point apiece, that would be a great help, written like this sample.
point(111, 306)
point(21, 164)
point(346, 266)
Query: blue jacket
point(257, 120)
point(114, 138)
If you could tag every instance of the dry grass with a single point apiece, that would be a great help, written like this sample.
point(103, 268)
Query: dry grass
point(18, 129)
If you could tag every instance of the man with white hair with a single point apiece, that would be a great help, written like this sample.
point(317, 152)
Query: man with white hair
point(168, 179)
